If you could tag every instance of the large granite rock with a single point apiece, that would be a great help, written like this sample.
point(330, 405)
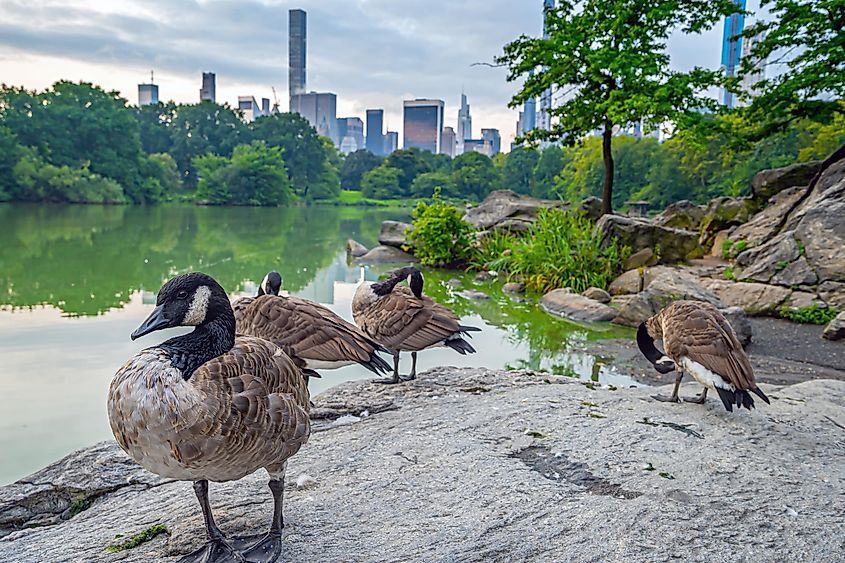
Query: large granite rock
point(597, 294)
point(591, 207)
point(753, 298)
point(394, 233)
point(765, 224)
point(681, 215)
point(835, 330)
point(833, 294)
point(574, 307)
point(761, 263)
point(505, 209)
point(767, 183)
point(661, 286)
point(629, 282)
point(386, 255)
point(355, 248)
point(797, 273)
point(507, 466)
point(670, 245)
point(722, 213)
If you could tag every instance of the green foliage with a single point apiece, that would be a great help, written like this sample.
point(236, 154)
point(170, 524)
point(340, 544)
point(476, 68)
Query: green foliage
point(428, 183)
point(474, 175)
point(254, 175)
point(610, 57)
point(518, 172)
point(729, 274)
point(813, 314)
point(382, 182)
point(560, 250)
point(140, 538)
point(355, 166)
point(35, 180)
point(732, 249)
point(410, 163)
point(440, 236)
point(549, 166)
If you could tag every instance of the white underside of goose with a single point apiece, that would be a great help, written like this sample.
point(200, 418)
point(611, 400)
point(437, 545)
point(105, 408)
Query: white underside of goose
point(325, 364)
point(703, 375)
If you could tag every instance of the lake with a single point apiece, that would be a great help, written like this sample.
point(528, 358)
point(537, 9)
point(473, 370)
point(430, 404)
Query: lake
point(75, 281)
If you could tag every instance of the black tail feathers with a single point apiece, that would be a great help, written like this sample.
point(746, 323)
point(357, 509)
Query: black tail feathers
point(460, 346)
point(759, 392)
point(740, 398)
point(377, 365)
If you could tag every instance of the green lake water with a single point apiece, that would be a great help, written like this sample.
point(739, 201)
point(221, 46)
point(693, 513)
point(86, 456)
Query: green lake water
point(76, 280)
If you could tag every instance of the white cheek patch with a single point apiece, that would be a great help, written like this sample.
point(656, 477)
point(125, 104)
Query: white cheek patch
point(265, 284)
point(199, 307)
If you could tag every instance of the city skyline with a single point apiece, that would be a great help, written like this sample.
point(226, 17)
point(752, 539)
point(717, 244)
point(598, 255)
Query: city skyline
point(116, 44)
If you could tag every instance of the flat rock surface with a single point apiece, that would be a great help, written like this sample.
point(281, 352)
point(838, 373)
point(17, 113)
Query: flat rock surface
point(386, 255)
point(480, 465)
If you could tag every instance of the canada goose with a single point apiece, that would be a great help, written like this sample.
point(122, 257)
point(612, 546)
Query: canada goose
point(699, 340)
point(400, 318)
point(306, 330)
point(207, 406)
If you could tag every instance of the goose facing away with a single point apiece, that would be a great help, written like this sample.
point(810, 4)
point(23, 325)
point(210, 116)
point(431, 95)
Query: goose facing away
point(209, 406)
point(306, 330)
point(699, 340)
point(401, 318)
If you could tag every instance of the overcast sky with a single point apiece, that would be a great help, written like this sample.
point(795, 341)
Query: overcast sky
point(372, 53)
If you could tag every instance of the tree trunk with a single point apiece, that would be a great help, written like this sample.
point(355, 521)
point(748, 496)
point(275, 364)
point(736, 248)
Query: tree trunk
point(607, 192)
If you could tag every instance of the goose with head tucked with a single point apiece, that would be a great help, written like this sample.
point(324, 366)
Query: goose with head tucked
point(306, 331)
point(209, 406)
point(700, 341)
point(401, 318)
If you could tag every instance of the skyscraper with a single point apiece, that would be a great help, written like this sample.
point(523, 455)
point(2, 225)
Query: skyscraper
point(296, 51)
point(732, 48)
point(544, 118)
point(449, 143)
point(528, 117)
point(208, 92)
point(320, 109)
point(350, 133)
point(464, 123)
point(249, 108)
point(423, 124)
point(375, 128)
point(493, 137)
point(391, 142)
point(148, 93)
point(750, 80)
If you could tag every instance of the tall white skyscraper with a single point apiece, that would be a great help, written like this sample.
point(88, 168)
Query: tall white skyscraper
point(464, 121)
point(544, 118)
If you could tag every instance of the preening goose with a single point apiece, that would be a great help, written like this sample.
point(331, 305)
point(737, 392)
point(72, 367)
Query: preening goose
point(208, 406)
point(699, 340)
point(306, 330)
point(403, 319)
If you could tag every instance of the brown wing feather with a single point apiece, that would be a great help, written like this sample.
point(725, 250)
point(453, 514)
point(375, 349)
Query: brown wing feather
point(305, 329)
point(402, 321)
point(700, 332)
point(240, 305)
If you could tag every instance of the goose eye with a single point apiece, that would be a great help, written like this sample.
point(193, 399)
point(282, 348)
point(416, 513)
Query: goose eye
point(182, 294)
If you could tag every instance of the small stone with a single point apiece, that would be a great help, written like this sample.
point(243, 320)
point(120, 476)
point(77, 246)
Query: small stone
point(454, 282)
point(628, 283)
point(835, 330)
point(304, 481)
point(473, 294)
point(598, 294)
point(482, 277)
point(563, 303)
point(644, 257)
point(355, 248)
point(346, 420)
point(387, 255)
point(513, 287)
point(394, 233)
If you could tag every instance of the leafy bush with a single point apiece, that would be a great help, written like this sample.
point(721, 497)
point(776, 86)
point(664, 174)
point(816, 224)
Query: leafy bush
point(35, 180)
point(560, 250)
point(731, 249)
point(440, 236)
point(255, 175)
point(814, 314)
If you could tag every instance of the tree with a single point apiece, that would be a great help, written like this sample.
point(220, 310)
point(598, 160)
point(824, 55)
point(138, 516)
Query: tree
point(204, 128)
point(518, 172)
point(549, 165)
point(474, 175)
point(410, 163)
point(428, 183)
point(254, 175)
point(805, 39)
point(10, 152)
point(355, 166)
point(154, 123)
point(382, 182)
point(608, 57)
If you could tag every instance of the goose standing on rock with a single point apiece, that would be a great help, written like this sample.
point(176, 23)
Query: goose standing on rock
point(306, 330)
point(699, 340)
point(207, 406)
point(400, 318)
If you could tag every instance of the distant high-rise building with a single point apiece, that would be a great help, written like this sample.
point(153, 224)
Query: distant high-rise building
point(528, 117)
point(494, 138)
point(464, 124)
point(148, 94)
point(750, 80)
point(265, 106)
point(732, 48)
point(297, 25)
point(320, 109)
point(350, 131)
point(482, 146)
point(544, 117)
point(250, 109)
point(375, 128)
point(208, 92)
point(449, 142)
point(423, 124)
point(391, 142)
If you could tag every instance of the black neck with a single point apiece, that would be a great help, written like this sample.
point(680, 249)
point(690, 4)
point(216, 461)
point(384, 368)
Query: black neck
point(260, 291)
point(646, 345)
point(188, 352)
point(386, 286)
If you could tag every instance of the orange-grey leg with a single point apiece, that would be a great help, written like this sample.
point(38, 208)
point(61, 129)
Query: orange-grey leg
point(216, 549)
point(395, 378)
point(673, 398)
point(413, 375)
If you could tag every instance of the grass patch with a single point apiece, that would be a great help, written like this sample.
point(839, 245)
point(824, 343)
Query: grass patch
point(732, 249)
point(77, 506)
point(357, 199)
point(729, 274)
point(781, 265)
point(139, 538)
point(814, 314)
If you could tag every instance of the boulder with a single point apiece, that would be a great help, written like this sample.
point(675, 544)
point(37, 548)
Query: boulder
point(485, 276)
point(513, 287)
point(797, 273)
point(670, 245)
point(644, 257)
point(505, 209)
point(591, 207)
point(597, 294)
point(833, 294)
point(754, 298)
point(767, 183)
point(835, 330)
point(740, 323)
point(386, 255)
point(802, 300)
point(454, 282)
point(718, 240)
point(473, 294)
point(661, 287)
point(681, 215)
point(822, 231)
point(393, 233)
point(629, 282)
point(355, 248)
point(765, 224)
point(574, 307)
point(724, 212)
point(762, 262)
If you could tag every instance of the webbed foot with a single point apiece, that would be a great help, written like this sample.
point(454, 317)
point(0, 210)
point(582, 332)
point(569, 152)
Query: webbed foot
point(667, 399)
point(263, 548)
point(214, 551)
point(409, 377)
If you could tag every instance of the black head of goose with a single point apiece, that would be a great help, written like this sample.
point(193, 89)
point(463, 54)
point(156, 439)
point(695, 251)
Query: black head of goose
point(401, 318)
point(270, 285)
point(210, 406)
point(308, 331)
point(700, 341)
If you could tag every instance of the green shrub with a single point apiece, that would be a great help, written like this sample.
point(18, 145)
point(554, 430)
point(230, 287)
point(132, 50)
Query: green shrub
point(729, 274)
point(440, 236)
point(731, 249)
point(560, 250)
point(814, 314)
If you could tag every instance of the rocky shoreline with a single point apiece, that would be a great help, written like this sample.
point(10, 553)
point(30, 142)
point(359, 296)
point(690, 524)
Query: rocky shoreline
point(483, 465)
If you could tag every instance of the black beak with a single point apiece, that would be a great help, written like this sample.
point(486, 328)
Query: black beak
point(646, 345)
point(156, 321)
